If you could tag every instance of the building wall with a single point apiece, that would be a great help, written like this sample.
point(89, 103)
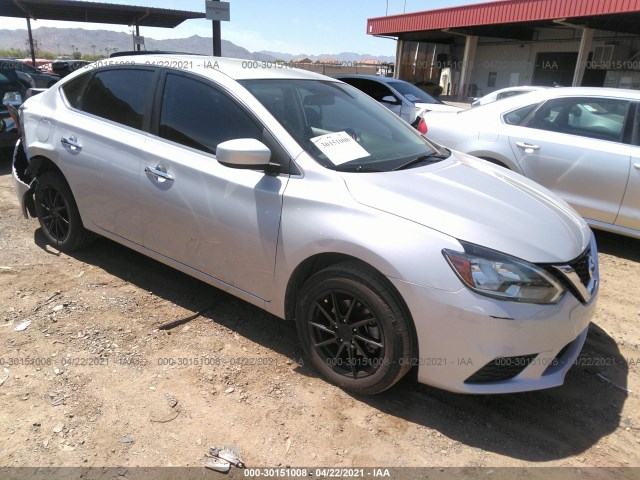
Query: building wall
point(503, 63)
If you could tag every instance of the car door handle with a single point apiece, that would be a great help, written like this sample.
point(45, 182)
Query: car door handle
point(71, 142)
point(158, 173)
point(527, 146)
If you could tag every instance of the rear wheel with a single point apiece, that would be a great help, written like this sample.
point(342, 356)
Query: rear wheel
point(58, 214)
point(353, 328)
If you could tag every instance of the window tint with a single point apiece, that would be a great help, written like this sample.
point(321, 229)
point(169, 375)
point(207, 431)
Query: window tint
point(119, 95)
point(512, 93)
point(413, 93)
point(374, 89)
point(600, 118)
point(74, 90)
point(198, 115)
point(518, 116)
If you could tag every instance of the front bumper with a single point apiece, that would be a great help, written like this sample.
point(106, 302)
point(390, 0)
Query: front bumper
point(473, 344)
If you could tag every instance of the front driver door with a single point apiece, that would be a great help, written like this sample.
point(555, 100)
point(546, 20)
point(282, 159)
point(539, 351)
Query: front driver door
point(220, 221)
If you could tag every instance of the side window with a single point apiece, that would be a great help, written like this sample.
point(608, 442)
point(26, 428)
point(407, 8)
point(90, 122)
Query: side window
point(599, 118)
point(376, 90)
point(512, 93)
point(75, 89)
point(517, 117)
point(199, 115)
point(119, 95)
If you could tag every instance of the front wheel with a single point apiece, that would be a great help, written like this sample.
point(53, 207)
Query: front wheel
point(353, 328)
point(58, 214)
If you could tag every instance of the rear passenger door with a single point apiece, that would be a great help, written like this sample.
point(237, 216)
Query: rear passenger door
point(101, 142)
point(219, 221)
point(576, 148)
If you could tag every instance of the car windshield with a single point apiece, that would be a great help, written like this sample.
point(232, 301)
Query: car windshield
point(341, 127)
point(413, 93)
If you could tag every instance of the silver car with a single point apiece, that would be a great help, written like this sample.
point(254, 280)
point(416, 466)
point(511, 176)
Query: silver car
point(302, 195)
point(581, 143)
point(504, 93)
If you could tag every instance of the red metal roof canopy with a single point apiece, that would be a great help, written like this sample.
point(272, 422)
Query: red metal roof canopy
point(611, 15)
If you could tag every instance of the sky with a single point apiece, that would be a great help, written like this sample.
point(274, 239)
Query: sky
point(289, 26)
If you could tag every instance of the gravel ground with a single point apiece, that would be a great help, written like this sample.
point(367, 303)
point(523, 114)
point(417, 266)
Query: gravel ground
point(92, 381)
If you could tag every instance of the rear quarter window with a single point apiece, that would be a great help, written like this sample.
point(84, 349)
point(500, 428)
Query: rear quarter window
point(517, 117)
point(74, 90)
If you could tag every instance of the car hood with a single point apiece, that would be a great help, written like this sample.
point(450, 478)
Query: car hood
point(436, 107)
point(474, 201)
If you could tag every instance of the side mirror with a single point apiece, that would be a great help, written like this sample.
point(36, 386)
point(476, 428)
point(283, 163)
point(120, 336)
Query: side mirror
point(246, 153)
point(389, 99)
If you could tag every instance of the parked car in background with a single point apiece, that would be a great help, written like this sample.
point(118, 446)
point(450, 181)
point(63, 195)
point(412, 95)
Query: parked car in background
point(12, 92)
point(402, 98)
point(581, 143)
point(65, 67)
point(302, 195)
point(40, 79)
point(429, 87)
point(504, 93)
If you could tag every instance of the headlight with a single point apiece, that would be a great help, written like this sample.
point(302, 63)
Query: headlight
point(502, 276)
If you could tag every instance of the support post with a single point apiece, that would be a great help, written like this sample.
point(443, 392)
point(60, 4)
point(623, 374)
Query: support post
point(468, 59)
point(583, 55)
point(138, 36)
point(33, 51)
point(217, 37)
point(399, 49)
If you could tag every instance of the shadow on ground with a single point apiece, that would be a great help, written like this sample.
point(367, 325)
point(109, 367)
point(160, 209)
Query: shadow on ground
point(5, 160)
point(618, 245)
point(537, 426)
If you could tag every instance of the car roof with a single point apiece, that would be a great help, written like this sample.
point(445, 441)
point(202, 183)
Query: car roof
point(537, 96)
point(235, 68)
point(519, 88)
point(376, 78)
point(591, 92)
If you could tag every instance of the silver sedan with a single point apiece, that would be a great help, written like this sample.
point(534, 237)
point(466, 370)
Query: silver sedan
point(581, 143)
point(304, 196)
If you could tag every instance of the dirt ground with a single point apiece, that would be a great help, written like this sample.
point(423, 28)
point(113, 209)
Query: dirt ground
point(93, 382)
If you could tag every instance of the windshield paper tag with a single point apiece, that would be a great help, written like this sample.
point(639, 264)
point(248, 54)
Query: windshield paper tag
point(339, 147)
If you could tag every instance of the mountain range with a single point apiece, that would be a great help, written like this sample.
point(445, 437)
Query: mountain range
point(63, 41)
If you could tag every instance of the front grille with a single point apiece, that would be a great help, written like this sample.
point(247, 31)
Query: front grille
point(576, 275)
point(581, 267)
point(501, 369)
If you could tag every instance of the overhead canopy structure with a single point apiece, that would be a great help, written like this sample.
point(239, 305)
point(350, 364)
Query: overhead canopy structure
point(513, 19)
point(76, 11)
point(510, 20)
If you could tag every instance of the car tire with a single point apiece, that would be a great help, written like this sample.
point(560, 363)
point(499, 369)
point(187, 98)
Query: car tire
point(58, 214)
point(360, 356)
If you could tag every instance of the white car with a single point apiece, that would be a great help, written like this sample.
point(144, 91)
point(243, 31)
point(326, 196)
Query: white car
point(581, 143)
point(302, 195)
point(504, 93)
